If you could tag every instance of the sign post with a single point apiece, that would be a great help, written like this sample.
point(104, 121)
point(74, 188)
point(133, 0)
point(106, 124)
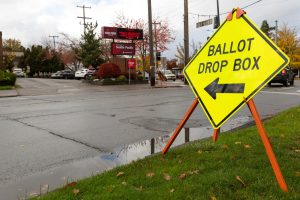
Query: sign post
point(231, 68)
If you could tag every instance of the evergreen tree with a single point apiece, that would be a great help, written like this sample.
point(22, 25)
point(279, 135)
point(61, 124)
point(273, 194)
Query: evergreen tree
point(267, 29)
point(90, 47)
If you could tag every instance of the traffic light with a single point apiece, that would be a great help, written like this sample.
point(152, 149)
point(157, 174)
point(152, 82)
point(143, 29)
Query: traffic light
point(158, 56)
point(216, 22)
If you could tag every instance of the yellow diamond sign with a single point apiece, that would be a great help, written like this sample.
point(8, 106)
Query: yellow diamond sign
point(235, 64)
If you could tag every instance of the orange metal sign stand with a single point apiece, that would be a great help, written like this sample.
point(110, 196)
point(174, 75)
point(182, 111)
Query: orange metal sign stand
point(261, 131)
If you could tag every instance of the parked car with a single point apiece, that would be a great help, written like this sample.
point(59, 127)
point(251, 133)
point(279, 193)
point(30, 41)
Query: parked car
point(285, 77)
point(79, 74)
point(169, 75)
point(18, 72)
point(91, 73)
point(57, 74)
point(68, 74)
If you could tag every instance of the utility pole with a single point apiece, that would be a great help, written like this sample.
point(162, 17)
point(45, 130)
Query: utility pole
point(83, 16)
point(186, 32)
point(155, 36)
point(152, 69)
point(1, 52)
point(53, 38)
point(218, 14)
point(276, 29)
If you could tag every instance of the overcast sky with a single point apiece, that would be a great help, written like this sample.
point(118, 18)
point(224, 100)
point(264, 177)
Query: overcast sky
point(32, 21)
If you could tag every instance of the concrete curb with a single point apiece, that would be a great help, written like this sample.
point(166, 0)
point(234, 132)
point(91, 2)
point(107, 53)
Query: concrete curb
point(8, 93)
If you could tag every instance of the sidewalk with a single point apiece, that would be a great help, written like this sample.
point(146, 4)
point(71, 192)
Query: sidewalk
point(8, 93)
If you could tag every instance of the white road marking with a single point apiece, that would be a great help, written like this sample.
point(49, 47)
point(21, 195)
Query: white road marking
point(289, 93)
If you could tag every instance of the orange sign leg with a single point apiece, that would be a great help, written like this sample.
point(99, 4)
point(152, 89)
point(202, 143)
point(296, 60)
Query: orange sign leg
point(268, 146)
point(180, 126)
point(215, 134)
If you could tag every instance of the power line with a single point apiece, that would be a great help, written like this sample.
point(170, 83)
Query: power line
point(210, 15)
point(83, 17)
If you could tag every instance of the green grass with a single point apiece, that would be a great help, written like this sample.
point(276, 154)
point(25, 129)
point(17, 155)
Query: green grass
point(235, 167)
point(7, 87)
point(10, 87)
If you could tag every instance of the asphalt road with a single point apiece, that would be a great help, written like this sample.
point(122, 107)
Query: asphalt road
point(55, 123)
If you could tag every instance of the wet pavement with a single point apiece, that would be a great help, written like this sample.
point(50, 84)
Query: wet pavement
point(60, 130)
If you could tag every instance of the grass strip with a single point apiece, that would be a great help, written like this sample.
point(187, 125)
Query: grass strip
point(235, 167)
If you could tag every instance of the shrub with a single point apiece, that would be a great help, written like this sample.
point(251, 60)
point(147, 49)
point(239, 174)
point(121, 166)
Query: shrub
point(7, 78)
point(140, 77)
point(108, 70)
point(122, 78)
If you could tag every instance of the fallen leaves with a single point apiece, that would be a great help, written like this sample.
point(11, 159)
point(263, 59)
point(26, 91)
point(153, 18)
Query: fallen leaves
point(194, 172)
point(238, 142)
point(75, 191)
point(172, 190)
point(200, 152)
point(247, 146)
point(167, 177)
point(150, 174)
point(240, 180)
point(213, 198)
point(120, 174)
point(225, 146)
point(139, 188)
point(182, 176)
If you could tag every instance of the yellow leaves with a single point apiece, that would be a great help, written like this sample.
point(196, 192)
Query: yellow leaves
point(120, 174)
point(238, 142)
point(75, 191)
point(124, 183)
point(247, 146)
point(213, 198)
point(297, 173)
point(172, 190)
point(240, 180)
point(200, 152)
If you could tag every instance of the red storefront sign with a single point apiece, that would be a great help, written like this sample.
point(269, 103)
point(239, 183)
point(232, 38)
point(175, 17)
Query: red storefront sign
point(123, 49)
point(131, 63)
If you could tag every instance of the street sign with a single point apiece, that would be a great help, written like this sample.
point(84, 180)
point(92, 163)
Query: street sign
point(235, 64)
point(204, 23)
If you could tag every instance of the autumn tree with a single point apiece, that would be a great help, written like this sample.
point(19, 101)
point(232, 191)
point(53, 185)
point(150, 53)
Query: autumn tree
point(10, 47)
point(69, 49)
point(180, 52)
point(289, 43)
point(162, 35)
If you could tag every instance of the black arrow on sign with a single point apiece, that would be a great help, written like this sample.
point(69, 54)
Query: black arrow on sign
point(214, 87)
